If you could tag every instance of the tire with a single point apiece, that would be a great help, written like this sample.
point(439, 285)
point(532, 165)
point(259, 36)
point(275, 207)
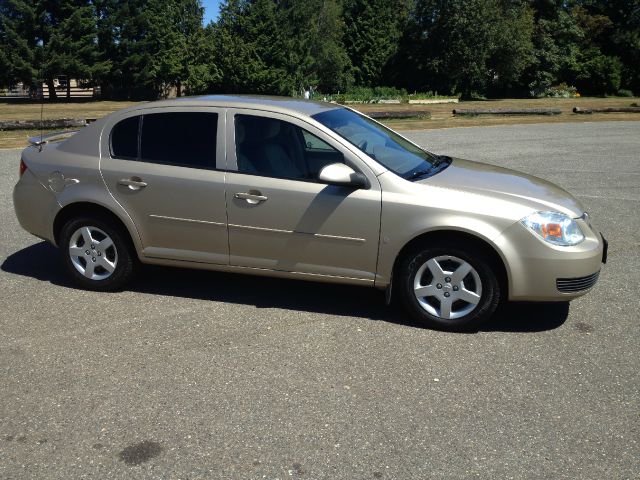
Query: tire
point(460, 286)
point(97, 253)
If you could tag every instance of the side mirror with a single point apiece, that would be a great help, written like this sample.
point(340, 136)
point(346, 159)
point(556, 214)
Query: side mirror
point(342, 175)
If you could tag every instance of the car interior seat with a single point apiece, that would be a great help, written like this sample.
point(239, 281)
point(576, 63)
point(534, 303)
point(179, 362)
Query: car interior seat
point(261, 149)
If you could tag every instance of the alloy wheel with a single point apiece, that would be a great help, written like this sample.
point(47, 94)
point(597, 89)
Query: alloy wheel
point(447, 287)
point(93, 253)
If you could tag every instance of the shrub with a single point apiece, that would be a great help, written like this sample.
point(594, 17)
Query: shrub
point(475, 96)
point(428, 96)
point(377, 94)
point(625, 93)
point(560, 91)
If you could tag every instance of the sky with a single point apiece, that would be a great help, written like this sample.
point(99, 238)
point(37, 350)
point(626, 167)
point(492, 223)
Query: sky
point(210, 10)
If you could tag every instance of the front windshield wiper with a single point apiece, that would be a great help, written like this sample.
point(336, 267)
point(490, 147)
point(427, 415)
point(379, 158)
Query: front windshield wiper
point(439, 160)
point(419, 173)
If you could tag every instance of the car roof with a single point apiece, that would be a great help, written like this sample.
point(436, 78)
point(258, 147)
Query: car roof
point(255, 102)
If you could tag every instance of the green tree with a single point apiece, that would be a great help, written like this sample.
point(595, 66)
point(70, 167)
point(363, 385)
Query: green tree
point(556, 36)
point(249, 49)
point(20, 50)
point(155, 46)
point(70, 43)
point(512, 52)
point(265, 46)
point(467, 45)
point(316, 29)
point(610, 45)
point(372, 37)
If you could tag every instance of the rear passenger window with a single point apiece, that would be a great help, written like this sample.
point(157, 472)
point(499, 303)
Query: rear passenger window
point(185, 139)
point(124, 138)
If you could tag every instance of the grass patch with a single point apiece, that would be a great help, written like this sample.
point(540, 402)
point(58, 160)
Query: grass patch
point(441, 114)
point(31, 111)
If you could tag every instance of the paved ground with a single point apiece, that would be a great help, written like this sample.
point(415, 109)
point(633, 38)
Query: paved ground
point(205, 375)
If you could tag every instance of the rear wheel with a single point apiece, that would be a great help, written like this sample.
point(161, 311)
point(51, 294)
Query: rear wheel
point(97, 253)
point(448, 287)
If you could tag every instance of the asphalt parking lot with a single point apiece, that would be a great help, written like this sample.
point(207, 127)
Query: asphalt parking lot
point(192, 374)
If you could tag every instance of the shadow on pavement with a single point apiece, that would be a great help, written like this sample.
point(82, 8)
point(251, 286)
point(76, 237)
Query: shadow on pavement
point(42, 262)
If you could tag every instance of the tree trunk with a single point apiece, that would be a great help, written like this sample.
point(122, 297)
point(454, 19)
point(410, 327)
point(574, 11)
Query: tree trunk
point(68, 87)
point(507, 111)
point(52, 89)
point(590, 110)
point(178, 88)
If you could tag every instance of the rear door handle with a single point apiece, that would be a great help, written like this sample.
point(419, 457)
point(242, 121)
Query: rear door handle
point(134, 183)
point(252, 198)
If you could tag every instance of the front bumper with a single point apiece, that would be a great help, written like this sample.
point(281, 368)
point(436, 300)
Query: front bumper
point(539, 271)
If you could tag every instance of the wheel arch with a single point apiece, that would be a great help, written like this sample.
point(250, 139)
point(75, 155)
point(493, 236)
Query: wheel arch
point(76, 209)
point(440, 236)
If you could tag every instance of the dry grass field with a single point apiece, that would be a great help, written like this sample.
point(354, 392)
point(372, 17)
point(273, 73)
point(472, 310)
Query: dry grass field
point(441, 114)
point(31, 111)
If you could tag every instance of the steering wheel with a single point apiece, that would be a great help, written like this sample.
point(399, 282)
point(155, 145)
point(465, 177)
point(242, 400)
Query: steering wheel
point(363, 145)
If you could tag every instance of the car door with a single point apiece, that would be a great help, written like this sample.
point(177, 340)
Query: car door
point(280, 216)
point(166, 168)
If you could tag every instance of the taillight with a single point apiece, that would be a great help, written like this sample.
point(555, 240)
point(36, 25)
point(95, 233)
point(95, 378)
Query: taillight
point(23, 167)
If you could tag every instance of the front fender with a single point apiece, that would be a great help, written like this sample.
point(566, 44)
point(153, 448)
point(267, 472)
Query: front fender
point(396, 236)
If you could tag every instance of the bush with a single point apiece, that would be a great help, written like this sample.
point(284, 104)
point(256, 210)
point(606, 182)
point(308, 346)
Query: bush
point(475, 96)
point(428, 96)
point(625, 93)
point(376, 94)
point(560, 91)
point(598, 74)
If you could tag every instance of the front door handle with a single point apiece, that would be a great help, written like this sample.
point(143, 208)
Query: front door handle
point(252, 198)
point(134, 183)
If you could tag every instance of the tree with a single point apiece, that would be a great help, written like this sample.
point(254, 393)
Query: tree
point(70, 43)
point(556, 37)
point(372, 37)
point(20, 51)
point(315, 31)
point(512, 52)
point(610, 44)
point(249, 49)
point(467, 45)
point(264, 46)
point(155, 46)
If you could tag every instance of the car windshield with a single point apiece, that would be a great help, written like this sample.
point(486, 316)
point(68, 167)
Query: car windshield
point(380, 143)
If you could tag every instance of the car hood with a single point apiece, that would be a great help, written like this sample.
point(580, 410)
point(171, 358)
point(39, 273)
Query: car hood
point(490, 180)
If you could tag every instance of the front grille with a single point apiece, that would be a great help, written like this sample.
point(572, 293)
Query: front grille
point(571, 285)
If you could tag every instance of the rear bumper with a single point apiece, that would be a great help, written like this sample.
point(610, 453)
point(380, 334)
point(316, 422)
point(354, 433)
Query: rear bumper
point(539, 271)
point(35, 206)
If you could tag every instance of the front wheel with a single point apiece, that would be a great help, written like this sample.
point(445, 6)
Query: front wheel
point(96, 253)
point(449, 287)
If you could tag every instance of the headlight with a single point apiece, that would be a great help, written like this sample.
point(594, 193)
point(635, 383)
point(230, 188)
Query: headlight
point(554, 227)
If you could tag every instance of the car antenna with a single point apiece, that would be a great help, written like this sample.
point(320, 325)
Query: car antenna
point(41, 82)
point(41, 115)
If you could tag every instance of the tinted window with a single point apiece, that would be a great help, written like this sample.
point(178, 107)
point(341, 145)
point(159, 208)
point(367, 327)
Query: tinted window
point(269, 147)
point(124, 138)
point(181, 138)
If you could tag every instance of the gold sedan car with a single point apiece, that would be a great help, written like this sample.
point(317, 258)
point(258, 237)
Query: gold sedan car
point(299, 189)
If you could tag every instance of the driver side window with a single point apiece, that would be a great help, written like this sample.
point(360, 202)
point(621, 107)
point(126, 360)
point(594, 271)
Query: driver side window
point(274, 148)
